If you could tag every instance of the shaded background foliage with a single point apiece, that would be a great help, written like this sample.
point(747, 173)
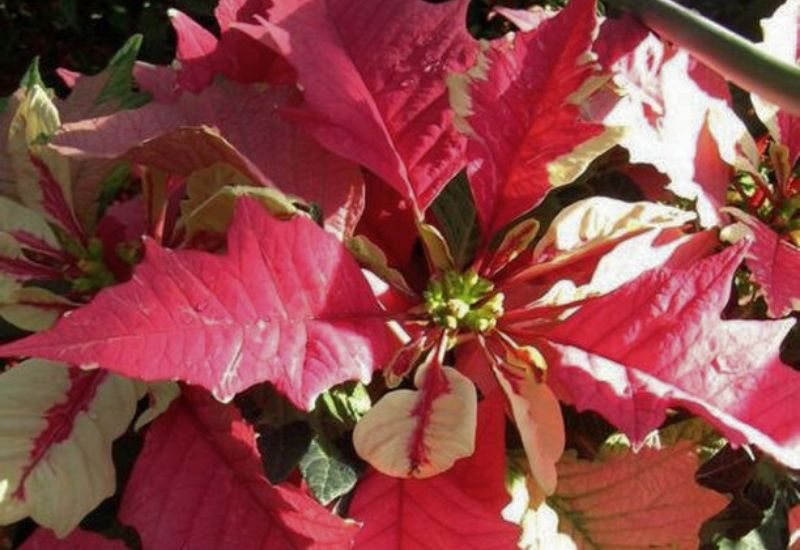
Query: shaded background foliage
point(83, 34)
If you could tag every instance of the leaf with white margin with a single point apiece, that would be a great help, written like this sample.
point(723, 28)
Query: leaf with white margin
point(421, 433)
point(20, 228)
point(589, 228)
point(537, 414)
point(596, 220)
point(56, 429)
point(16, 218)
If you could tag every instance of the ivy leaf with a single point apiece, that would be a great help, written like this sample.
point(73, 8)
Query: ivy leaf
point(283, 447)
point(286, 305)
point(339, 408)
point(326, 473)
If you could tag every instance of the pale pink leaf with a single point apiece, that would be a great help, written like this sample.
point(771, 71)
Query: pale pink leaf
point(249, 119)
point(287, 304)
point(537, 414)
point(635, 500)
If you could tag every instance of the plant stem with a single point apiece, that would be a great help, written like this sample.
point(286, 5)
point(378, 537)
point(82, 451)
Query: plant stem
point(739, 60)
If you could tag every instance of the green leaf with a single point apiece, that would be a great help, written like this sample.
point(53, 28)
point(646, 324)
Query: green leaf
point(706, 439)
point(32, 76)
point(455, 210)
point(339, 408)
point(772, 490)
point(68, 10)
point(326, 473)
point(282, 449)
point(118, 179)
point(772, 533)
point(120, 86)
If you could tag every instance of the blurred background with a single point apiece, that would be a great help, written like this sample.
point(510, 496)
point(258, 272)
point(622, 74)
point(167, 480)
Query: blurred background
point(82, 35)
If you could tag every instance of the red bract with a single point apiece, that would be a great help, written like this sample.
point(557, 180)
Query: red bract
point(312, 323)
point(397, 123)
point(202, 448)
point(660, 342)
point(77, 540)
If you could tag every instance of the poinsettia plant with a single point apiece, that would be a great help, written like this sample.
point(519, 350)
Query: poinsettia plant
point(345, 276)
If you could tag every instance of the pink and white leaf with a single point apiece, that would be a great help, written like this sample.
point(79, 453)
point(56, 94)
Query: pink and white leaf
point(253, 136)
point(57, 425)
point(521, 112)
point(43, 539)
point(420, 433)
point(659, 342)
point(782, 40)
point(676, 116)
